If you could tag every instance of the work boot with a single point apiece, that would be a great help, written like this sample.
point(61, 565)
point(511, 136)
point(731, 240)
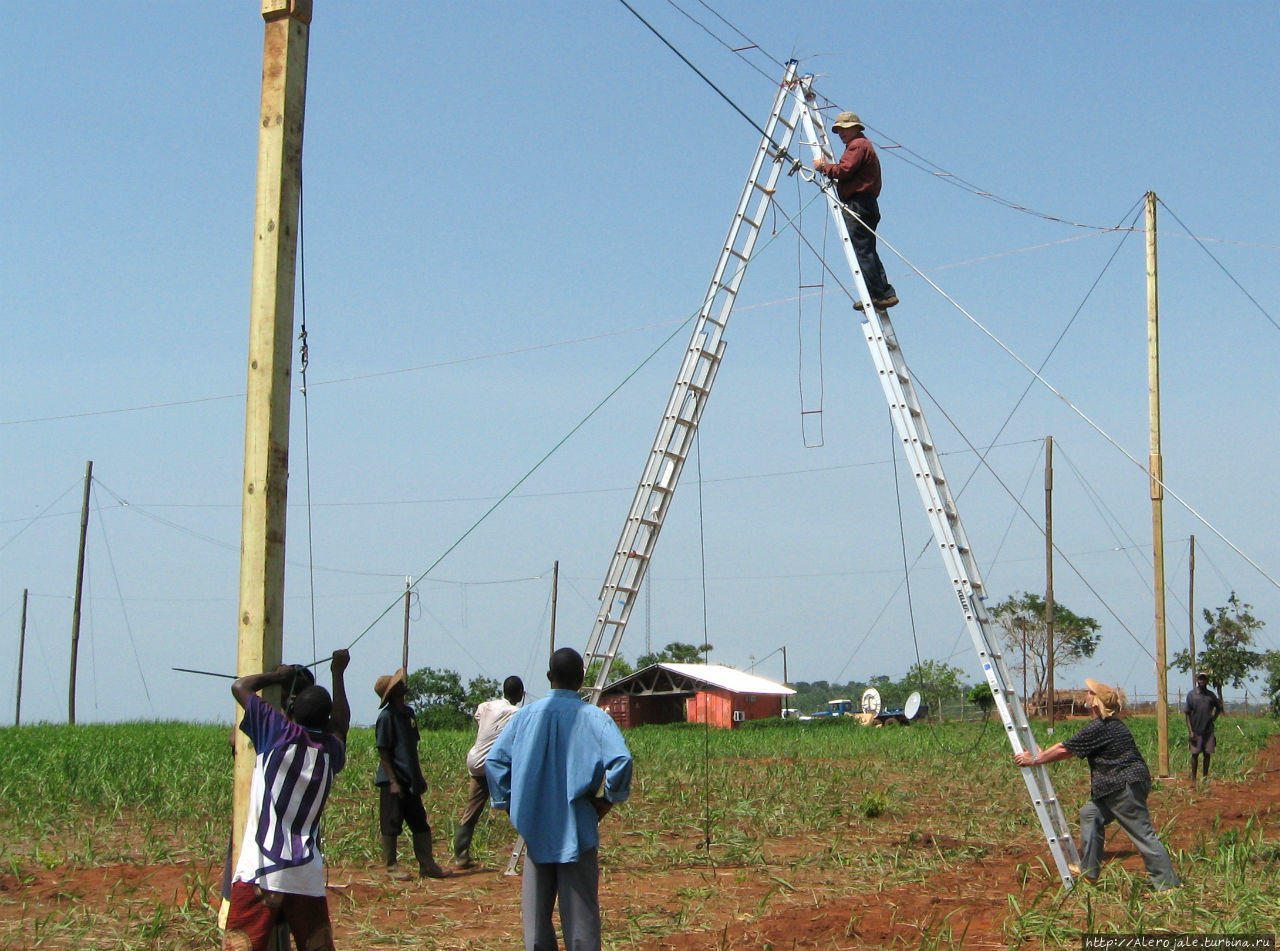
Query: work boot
point(462, 848)
point(886, 303)
point(389, 860)
point(422, 851)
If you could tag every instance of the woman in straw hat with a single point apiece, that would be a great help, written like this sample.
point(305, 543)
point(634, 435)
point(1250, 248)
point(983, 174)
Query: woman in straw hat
point(1119, 781)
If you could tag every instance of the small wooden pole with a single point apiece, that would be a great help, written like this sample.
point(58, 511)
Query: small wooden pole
point(1048, 567)
point(786, 703)
point(1157, 488)
point(75, 607)
point(555, 594)
point(22, 647)
point(404, 656)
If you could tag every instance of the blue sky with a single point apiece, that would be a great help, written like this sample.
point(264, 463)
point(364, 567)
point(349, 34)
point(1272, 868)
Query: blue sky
point(508, 208)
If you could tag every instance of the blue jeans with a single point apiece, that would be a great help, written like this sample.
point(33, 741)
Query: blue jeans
point(1128, 807)
point(864, 245)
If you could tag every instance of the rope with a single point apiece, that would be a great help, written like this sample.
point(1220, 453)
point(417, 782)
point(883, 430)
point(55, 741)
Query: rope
point(564, 439)
point(1262, 310)
point(1083, 416)
point(805, 413)
point(706, 718)
point(124, 613)
point(304, 357)
point(703, 76)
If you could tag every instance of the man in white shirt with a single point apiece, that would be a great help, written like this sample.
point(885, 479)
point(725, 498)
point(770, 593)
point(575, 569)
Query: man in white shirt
point(491, 717)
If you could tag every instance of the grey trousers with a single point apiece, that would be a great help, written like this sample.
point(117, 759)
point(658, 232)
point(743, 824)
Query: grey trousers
point(577, 885)
point(1128, 807)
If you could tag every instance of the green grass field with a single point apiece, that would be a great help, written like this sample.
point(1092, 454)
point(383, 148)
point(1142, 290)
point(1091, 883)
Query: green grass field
point(829, 800)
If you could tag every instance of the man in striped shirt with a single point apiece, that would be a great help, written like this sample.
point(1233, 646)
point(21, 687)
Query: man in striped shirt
point(280, 872)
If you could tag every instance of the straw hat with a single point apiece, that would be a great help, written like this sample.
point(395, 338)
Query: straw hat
point(384, 685)
point(1107, 698)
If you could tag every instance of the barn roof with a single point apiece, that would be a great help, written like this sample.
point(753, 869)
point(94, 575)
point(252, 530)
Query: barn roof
point(686, 678)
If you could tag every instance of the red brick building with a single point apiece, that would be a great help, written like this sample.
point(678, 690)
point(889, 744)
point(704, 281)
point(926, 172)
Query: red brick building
point(693, 693)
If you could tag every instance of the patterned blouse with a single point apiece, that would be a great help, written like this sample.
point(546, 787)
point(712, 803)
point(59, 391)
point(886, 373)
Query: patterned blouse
point(1114, 759)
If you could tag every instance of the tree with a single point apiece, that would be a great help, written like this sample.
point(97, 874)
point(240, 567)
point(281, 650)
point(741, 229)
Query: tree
point(934, 680)
point(617, 670)
point(982, 696)
point(677, 652)
point(1271, 660)
point(441, 701)
point(1227, 656)
point(1025, 635)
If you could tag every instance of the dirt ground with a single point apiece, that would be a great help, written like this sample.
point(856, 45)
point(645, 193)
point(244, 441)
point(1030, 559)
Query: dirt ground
point(779, 904)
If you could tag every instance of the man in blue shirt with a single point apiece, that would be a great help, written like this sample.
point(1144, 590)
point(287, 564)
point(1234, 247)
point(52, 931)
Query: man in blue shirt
point(558, 767)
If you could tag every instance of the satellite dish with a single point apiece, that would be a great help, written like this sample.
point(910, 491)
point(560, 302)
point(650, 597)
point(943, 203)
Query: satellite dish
point(913, 705)
point(871, 700)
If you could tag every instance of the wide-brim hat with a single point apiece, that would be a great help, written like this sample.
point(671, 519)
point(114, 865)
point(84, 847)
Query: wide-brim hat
point(847, 120)
point(1107, 697)
point(386, 683)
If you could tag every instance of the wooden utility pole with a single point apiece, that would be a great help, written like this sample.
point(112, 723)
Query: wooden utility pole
point(75, 605)
point(1191, 609)
point(266, 430)
point(22, 647)
point(1048, 568)
point(555, 594)
point(786, 702)
point(404, 656)
point(1157, 487)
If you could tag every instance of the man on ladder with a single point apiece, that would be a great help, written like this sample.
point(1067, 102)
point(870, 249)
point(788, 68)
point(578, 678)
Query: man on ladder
point(857, 178)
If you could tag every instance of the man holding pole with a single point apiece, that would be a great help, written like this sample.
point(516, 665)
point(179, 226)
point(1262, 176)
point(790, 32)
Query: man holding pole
point(280, 872)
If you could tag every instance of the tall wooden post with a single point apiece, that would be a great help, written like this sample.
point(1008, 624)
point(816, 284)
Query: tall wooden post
point(22, 647)
point(75, 605)
point(1048, 568)
point(266, 431)
point(1157, 487)
point(1191, 608)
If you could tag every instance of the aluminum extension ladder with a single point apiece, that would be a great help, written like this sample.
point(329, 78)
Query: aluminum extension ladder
point(702, 358)
point(944, 517)
point(674, 440)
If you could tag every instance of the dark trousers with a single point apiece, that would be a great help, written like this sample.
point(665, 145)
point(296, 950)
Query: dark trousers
point(864, 244)
point(396, 812)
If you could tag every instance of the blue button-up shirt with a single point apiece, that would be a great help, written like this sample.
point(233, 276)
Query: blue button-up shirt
point(547, 765)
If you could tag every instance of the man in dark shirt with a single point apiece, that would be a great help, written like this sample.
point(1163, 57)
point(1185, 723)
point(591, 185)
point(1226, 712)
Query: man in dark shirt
point(400, 781)
point(857, 177)
point(1119, 782)
point(1202, 707)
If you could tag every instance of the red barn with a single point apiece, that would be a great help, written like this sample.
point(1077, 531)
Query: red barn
point(693, 693)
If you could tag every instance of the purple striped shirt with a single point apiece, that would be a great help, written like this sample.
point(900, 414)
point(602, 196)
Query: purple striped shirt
point(292, 777)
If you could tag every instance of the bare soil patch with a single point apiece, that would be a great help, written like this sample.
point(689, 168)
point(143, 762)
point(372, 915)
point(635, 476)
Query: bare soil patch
point(787, 901)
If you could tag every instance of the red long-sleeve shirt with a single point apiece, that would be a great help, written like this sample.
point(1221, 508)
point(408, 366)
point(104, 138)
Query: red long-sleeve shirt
point(858, 171)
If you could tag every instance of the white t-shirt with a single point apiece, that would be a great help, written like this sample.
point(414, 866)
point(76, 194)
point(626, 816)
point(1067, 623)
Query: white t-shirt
point(492, 715)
